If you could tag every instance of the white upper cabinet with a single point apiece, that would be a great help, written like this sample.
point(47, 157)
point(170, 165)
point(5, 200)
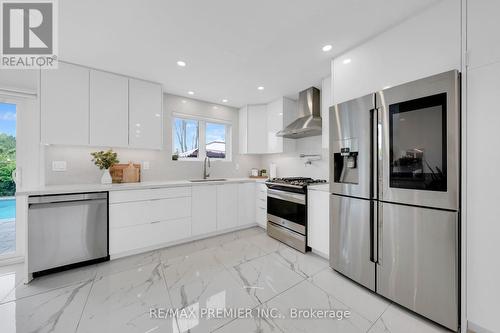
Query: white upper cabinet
point(65, 105)
point(227, 206)
point(108, 109)
point(260, 123)
point(483, 39)
point(326, 102)
point(204, 216)
point(145, 115)
point(256, 129)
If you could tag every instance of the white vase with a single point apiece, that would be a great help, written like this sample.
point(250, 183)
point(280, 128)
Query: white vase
point(106, 177)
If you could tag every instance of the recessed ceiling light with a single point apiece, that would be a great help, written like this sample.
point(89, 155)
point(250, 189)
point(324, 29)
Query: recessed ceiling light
point(191, 92)
point(260, 88)
point(346, 61)
point(224, 100)
point(181, 63)
point(327, 48)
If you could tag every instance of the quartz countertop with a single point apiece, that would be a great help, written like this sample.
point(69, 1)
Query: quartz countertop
point(82, 188)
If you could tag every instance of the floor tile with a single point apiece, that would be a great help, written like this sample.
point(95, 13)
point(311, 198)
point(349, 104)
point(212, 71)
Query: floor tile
point(52, 281)
point(181, 270)
point(266, 243)
point(177, 251)
point(358, 298)
point(306, 296)
point(219, 291)
point(216, 241)
point(10, 277)
point(121, 302)
point(265, 277)
point(257, 324)
point(237, 252)
point(126, 263)
point(54, 311)
point(248, 232)
point(396, 319)
point(305, 264)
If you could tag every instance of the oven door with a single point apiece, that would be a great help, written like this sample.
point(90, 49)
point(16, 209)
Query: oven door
point(420, 142)
point(287, 210)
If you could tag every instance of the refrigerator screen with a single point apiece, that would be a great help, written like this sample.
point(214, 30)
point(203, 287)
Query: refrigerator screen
point(417, 139)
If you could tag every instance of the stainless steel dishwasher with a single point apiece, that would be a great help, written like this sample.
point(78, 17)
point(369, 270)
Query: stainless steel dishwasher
point(66, 231)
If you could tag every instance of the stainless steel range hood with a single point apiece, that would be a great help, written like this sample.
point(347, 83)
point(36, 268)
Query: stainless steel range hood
point(309, 121)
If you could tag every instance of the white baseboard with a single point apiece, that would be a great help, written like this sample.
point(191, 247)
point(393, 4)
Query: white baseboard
point(321, 254)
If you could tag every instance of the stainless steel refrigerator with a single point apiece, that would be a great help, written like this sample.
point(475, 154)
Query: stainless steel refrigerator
point(394, 179)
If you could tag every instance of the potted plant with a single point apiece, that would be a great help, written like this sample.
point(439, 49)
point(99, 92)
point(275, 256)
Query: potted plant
point(105, 160)
point(175, 156)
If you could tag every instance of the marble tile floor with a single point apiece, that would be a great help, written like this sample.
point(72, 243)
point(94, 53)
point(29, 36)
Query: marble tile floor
point(243, 270)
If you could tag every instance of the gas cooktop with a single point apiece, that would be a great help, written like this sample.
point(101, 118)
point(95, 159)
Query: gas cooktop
point(291, 183)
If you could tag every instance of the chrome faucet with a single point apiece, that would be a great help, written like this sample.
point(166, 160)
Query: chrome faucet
point(205, 173)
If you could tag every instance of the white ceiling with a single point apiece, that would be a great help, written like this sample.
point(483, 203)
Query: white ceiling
point(230, 46)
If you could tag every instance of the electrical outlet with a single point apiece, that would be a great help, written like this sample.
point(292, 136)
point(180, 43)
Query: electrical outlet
point(145, 165)
point(58, 166)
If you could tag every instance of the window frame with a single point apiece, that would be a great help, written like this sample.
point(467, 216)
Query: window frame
point(202, 126)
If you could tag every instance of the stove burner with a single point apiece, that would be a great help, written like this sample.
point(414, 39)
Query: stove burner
point(297, 181)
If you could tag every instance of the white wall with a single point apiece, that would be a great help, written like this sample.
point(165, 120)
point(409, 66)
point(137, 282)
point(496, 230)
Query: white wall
point(80, 169)
point(482, 123)
point(426, 44)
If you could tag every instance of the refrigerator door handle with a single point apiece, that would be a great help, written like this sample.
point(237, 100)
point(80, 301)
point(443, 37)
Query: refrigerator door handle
point(380, 225)
point(373, 233)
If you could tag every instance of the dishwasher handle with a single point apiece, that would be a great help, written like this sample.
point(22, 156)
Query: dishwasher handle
point(44, 199)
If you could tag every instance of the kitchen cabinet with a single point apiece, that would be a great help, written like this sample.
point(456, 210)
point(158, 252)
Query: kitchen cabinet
point(246, 204)
point(65, 105)
point(258, 125)
point(261, 204)
point(482, 18)
point(204, 210)
point(318, 220)
point(108, 109)
point(227, 206)
point(280, 113)
point(256, 129)
point(145, 115)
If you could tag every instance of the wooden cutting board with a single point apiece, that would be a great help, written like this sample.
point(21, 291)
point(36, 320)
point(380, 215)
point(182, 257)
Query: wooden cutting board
point(126, 173)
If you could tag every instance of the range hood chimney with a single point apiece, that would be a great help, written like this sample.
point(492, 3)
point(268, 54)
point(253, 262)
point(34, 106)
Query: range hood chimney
point(309, 121)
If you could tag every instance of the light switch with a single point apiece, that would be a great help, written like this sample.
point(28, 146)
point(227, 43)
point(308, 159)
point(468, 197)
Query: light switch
point(58, 165)
point(145, 165)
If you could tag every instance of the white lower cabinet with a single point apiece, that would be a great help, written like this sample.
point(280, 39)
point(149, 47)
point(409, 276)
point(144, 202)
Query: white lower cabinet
point(227, 206)
point(318, 221)
point(145, 219)
point(246, 203)
point(204, 212)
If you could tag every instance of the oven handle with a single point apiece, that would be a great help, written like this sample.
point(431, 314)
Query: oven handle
point(287, 196)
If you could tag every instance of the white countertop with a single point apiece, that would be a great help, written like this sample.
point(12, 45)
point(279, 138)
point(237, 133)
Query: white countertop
point(81, 188)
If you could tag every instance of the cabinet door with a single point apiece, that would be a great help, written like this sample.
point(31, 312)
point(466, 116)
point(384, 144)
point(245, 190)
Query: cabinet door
point(482, 18)
point(318, 221)
point(326, 102)
point(246, 204)
point(204, 216)
point(65, 105)
point(261, 204)
point(274, 125)
point(227, 206)
point(243, 130)
point(108, 109)
point(257, 129)
point(145, 115)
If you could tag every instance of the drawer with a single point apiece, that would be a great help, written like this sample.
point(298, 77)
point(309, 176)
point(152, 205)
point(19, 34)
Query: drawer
point(147, 235)
point(149, 194)
point(141, 212)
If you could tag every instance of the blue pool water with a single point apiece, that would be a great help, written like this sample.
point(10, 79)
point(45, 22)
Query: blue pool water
point(8, 209)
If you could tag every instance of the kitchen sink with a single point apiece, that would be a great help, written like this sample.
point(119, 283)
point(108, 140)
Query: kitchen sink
point(207, 180)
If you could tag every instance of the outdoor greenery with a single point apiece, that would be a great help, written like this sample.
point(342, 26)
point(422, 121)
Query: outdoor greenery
point(104, 159)
point(7, 164)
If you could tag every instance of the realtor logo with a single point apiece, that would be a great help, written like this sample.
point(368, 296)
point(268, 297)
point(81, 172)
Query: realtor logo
point(28, 34)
